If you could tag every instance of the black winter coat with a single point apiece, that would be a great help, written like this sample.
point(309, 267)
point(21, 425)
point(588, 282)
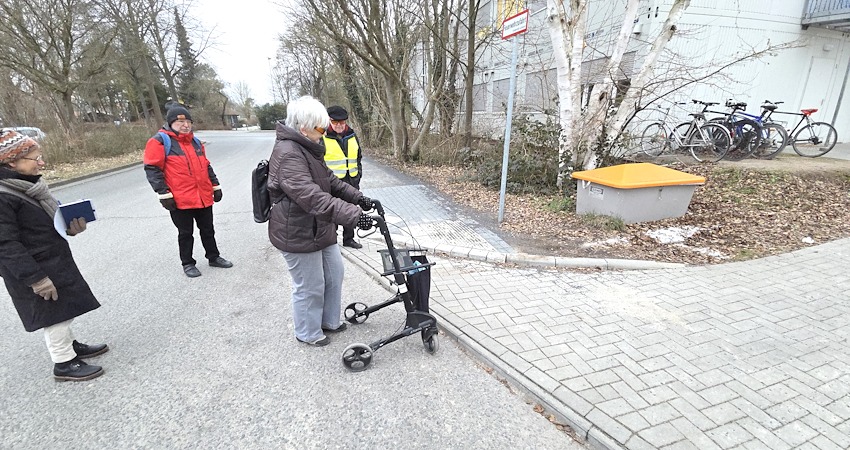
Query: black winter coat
point(31, 249)
point(312, 200)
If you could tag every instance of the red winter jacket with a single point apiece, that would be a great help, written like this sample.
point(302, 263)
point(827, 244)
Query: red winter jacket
point(186, 172)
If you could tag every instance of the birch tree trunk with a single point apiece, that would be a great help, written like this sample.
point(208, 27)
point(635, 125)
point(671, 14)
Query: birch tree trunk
point(631, 101)
point(567, 24)
point(600, 96)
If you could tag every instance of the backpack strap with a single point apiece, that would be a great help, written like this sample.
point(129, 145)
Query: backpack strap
point(166, 142)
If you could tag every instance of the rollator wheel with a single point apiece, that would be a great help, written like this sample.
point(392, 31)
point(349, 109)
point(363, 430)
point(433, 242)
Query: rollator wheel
point(354, 312)
point(431, 344)
point(357, 357)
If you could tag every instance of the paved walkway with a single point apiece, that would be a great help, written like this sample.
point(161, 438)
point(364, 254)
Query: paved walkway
point(742, 355)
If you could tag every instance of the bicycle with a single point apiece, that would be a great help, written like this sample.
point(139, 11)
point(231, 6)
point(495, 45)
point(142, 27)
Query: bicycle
point(774, 138)
point(706, 142)
point(815, 138)
point(746, 132)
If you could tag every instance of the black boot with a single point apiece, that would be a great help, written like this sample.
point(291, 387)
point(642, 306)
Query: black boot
point(89, 351)
point(76, 370)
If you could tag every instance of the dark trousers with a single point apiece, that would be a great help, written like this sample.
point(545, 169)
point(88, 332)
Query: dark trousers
point(184, 220)
point(348, 232)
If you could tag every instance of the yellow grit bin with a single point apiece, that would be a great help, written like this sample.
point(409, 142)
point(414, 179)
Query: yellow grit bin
point(639, 192)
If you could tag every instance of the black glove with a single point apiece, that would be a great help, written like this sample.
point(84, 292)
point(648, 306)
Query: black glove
point(217, 195)
point(366, 203)
point(366, 222)
point(167, 201)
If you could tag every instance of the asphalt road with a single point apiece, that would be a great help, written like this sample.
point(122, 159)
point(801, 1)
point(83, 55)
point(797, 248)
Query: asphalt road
point(212, 362)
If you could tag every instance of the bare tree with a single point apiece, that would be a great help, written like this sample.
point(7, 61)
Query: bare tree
point(56, 45)
point(382, 34)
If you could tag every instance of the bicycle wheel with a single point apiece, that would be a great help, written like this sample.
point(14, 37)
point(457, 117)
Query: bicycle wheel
point(814, 139)
point(774, 139)
point(745, 139)
point(710, 143)
point(653, 140)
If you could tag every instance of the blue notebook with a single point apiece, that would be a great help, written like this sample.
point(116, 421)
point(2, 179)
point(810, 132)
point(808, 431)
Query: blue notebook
point(79, 208)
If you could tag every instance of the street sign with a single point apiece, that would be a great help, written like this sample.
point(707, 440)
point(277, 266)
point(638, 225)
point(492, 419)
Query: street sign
point(516, 24)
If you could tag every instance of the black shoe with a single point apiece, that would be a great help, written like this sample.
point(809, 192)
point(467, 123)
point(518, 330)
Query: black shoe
point(76, 370)
point(351, 243)
point(320, 343)
point(342, 327)
point(191, 271)
point(90, 351)
point(221, 262)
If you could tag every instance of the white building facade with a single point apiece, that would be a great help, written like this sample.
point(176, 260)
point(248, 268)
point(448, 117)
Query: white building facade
point(808, 67)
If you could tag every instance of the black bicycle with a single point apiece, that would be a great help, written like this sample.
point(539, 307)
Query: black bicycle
point(815, 138)
point(411, 273)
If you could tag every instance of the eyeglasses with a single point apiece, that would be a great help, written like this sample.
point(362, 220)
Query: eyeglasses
point(39, 158)
point(338, 122)
point(319, 129)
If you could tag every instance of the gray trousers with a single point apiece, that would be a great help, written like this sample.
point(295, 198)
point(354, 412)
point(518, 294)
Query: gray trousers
point(316, 291)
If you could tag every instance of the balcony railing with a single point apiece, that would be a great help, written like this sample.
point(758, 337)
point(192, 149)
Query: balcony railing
point(827, 13)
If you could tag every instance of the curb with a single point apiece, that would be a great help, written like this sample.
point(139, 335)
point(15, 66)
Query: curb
point(87, 176)
point(583, 428)
point(525, 259)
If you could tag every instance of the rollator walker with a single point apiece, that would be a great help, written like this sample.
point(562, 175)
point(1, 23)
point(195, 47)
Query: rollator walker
point(411, 274)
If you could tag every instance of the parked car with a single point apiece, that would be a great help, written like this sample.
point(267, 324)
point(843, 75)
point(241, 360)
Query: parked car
point(32, 132)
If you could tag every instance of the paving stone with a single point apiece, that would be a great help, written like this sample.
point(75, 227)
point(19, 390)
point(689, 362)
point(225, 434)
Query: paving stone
point(831, 432)
point(661, 435)
point(693, 434)
point(795, 433)
point(729, 435)
point(658, 414)
point(723, 413)
point(778, 393)
point(609, 426)
point(718, 394)
point(787, 412)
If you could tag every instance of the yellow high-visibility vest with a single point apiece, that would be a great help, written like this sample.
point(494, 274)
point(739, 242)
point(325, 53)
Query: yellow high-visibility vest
point(337, 161)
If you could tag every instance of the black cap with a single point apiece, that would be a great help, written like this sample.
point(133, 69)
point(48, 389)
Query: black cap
point(177, 113)
point(337, 113)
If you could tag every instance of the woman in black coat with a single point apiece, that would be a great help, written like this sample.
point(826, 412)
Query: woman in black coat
point(38, 270)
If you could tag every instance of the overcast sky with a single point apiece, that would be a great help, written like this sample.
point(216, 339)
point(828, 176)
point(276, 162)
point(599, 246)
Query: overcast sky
point(245, 32)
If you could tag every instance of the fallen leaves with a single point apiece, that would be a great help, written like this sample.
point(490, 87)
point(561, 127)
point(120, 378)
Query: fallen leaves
point(743, 211)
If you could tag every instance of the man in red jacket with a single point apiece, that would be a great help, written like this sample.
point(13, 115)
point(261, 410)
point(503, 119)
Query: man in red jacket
point(187, 186)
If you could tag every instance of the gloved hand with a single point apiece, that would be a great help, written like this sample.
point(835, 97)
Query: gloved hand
point(365, 203)
point(167, 201)
point(217, 195)
point(77, 226)
point(365, 222)
point(45, 289)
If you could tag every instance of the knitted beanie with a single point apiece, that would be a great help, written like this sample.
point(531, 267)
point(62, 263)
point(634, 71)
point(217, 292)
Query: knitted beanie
point(14, 145)
point(177, 113)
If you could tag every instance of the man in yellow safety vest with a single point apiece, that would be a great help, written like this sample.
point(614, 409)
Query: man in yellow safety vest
point(342, 155)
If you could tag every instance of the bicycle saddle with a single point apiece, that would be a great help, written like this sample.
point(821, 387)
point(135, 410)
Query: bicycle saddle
point(769, 107)
point(697, 115)
point(809, 112)
point(705, 103)
point(741, 105)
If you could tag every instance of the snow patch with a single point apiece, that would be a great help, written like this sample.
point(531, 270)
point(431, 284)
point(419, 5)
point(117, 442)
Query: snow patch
point(672, 235)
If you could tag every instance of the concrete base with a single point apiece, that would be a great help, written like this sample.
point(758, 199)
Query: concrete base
point(634, 205)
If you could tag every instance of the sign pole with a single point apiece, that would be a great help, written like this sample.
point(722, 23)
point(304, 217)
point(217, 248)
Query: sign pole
point(506, 150)
point(512, 27)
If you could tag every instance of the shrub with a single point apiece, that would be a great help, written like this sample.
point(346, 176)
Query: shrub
point(93, 140)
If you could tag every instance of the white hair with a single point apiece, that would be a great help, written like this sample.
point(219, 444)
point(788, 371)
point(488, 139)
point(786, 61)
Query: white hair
point(306, 112)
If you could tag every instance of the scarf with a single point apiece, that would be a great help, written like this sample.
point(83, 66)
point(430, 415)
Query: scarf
point(38, 191)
